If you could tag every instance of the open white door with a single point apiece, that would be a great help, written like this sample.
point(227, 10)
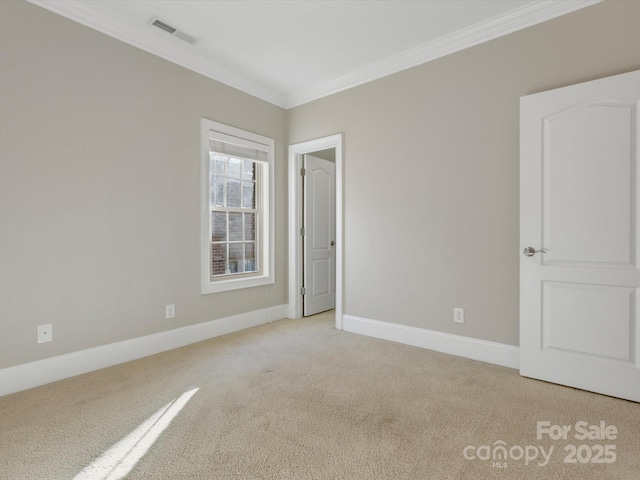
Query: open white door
point(579, 273)
point(319, 235)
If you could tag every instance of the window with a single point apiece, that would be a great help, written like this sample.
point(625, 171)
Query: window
point(237, 208)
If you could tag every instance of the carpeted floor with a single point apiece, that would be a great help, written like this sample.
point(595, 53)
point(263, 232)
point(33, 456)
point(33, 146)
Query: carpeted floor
point(300, 400)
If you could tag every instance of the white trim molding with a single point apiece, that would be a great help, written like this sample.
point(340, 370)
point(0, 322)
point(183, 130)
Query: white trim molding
point(34, 374)
point(472, 348)
point(90, 15)
point(527, 16)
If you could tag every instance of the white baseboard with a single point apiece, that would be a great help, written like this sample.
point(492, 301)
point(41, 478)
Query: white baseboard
point(41, 372)
point(484, 351)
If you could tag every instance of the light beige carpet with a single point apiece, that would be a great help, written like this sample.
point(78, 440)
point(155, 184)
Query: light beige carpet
point(300, 400)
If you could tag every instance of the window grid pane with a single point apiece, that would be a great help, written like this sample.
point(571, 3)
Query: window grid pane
point(250, 257)
point(234, 168)
point(218, 227)
point(250, 226)
point(218, 258)
point(248, 194)
point(248, 170)
point(235, 227)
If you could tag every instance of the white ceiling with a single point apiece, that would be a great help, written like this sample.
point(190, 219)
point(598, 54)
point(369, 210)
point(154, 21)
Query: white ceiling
point(290, 52)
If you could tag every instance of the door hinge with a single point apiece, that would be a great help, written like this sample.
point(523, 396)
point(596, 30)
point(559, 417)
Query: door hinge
point(303, 171)
point(303, 291)
point(303, 231)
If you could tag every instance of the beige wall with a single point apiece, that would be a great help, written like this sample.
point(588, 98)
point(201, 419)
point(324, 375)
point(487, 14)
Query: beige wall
point(431, 170)
point(329, 155)
point(99, 188)
point(99, 179)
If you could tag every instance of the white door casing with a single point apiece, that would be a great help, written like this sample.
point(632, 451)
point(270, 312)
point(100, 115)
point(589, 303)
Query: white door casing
point(579, 318)
point(319, 235)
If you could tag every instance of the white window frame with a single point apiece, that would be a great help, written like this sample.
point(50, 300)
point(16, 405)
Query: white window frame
point(265, 237)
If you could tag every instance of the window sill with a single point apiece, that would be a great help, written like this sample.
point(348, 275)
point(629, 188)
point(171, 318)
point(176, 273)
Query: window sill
point(236, 284)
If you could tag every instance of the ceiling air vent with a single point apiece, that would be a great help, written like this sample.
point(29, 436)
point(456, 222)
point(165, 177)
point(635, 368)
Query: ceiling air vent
point(156, 22)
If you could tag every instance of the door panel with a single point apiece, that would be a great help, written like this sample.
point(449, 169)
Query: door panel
point(321, 277)
point(590, 147)
point(579, 321)
point(319, 225)
point(569, 309)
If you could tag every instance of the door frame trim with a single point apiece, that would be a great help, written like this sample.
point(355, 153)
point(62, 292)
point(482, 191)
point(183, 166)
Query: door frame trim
point(296, 151)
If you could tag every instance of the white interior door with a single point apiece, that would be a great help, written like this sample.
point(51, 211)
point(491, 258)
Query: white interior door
point(579, 203)
point(319, 235)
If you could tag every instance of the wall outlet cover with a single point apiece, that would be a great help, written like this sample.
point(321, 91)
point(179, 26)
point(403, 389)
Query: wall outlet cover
point(45, 333)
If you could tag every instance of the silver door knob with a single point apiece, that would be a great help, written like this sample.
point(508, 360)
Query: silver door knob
point(332, 243)
point(530, 251)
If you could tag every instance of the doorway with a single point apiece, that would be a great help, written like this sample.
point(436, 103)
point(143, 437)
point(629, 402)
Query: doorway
point(331, 148)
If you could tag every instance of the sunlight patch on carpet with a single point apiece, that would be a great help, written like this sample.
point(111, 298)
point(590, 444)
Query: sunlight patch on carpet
point(117, 462)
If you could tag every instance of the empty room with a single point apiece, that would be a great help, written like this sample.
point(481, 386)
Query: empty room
point(304, 239)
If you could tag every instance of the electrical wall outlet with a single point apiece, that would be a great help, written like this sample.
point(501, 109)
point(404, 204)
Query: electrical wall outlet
point(45, 333)
point(170, 311)
point(458, 315)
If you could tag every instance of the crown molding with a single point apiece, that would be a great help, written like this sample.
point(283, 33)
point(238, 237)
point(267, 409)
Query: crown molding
point(94, 18)
point(499, 26)
point(166, 48)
